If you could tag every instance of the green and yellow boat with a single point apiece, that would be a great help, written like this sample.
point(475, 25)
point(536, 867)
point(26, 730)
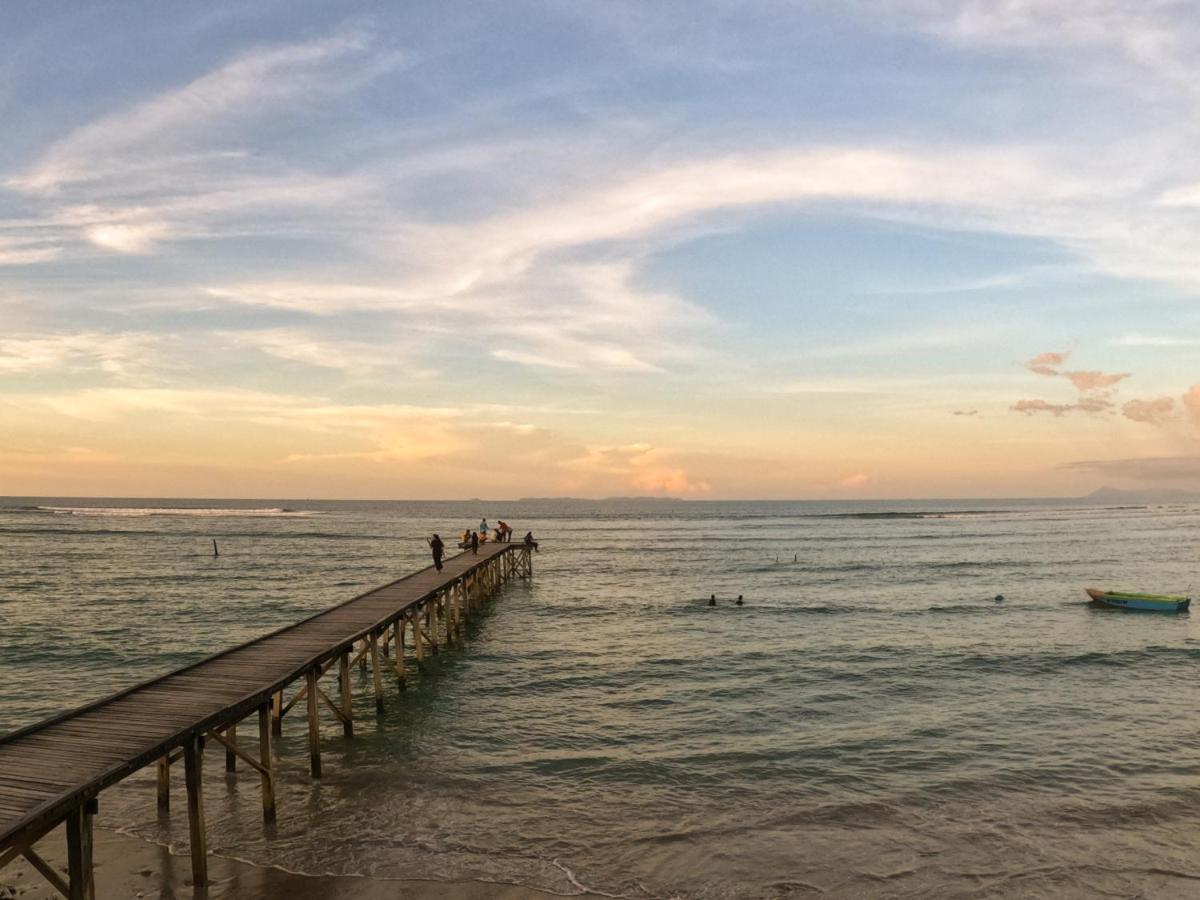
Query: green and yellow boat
point(1130, 600)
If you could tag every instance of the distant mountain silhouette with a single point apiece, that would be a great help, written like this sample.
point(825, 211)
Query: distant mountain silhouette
point(1152, 495)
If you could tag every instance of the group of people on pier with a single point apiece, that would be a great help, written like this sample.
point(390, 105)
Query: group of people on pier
point(470, 540)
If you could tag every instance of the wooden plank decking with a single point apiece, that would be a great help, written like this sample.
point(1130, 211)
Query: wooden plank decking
point(50, 770)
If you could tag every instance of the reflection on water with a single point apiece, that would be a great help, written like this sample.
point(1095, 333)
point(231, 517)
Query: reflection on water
point(872, 723)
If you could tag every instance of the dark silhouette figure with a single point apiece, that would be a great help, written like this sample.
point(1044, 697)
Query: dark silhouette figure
point(738, 601)
point(474, 543)
point(438, 548)
point(712, 600)
point(530, 542)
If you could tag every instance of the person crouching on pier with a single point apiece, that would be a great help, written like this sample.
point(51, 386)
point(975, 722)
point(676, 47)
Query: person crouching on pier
point(530, 542)
point(438, 548)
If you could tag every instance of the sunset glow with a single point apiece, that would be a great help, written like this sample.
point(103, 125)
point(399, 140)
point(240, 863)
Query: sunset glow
point(908, 249)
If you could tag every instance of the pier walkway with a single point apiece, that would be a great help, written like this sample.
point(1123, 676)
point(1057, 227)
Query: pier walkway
point(52, 772)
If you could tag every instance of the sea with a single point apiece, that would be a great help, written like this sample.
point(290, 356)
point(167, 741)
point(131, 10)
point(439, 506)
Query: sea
point(915, 700)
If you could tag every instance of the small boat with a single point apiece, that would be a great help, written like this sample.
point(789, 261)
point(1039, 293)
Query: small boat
point(1130, 600)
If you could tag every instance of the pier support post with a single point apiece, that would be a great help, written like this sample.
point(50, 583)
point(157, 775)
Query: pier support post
point(164, 782)
point(418, 642)
point(268, 763)
point(230, 754)
point(431, 635)
point(347, 706)
point(314, 725)
point(399, 630)
point(193, 767)
point(277, 713)
point(80, 874)
point(376, 676)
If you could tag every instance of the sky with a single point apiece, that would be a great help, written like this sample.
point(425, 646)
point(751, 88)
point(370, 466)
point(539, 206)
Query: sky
point(695, 248)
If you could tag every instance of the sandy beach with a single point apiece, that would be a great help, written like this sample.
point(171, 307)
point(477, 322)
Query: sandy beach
point(129, 868)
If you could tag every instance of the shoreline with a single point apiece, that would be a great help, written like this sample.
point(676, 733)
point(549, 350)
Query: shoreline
point(130, 867)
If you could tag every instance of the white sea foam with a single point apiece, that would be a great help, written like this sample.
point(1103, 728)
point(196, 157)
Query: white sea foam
point(132, 512)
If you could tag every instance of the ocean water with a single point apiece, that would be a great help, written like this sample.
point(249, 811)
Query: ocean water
point(871, 723)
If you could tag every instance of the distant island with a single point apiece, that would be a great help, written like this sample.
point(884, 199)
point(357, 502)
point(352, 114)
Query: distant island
point(601, 500)
point(1152, 495)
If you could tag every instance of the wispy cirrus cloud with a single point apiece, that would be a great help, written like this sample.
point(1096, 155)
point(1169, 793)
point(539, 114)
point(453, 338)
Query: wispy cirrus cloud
point(163, 129)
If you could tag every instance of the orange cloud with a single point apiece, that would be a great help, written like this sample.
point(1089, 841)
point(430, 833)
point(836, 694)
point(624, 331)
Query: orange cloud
point(1045, 363)
point(858, 480)
point(1094, 381)
point(1086, 404)
point(1155, 412)
point(1191, 404)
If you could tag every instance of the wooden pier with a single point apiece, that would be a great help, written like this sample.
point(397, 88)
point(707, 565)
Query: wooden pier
point(51, 773)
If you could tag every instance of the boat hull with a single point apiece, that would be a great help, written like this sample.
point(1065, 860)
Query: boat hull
point(1144, 602)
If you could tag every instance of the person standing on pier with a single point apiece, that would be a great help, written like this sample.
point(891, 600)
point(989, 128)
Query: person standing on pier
point(474, 543)
point(438, 548)
point(483, 529)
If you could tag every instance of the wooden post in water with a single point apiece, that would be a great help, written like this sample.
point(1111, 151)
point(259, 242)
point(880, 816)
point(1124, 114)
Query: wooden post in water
point(230, 753)
point(347, 707)
point(398, 625)
point(193, 768)
point(80, 873)
point(362, 659)
point(266, 757)
point(373, 638)
point(277, 713)
point(418, 641)
point(314, 725)
point(164, 782)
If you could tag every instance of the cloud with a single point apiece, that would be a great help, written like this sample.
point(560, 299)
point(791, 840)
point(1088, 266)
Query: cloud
point(249, 85)
point(1085, 404)
point(855, 481)
point(1155, 412)
point(642, 467)
point(124, 355)
point(1147, 340)
point(1046, 363)
point(965, 412)
point(1162, 468)
point(127, 238)
point(1191, 404)
point(1093, 381)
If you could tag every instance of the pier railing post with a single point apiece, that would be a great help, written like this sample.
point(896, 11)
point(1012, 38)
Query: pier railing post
point(314, 725)
point(193, 767)
point(80, 874)
point(266, 757)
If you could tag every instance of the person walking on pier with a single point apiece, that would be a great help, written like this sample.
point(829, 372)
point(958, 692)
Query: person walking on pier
point(474, 543)
point(438, 548)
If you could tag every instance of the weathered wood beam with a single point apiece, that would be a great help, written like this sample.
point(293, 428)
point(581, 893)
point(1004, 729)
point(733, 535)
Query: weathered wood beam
point(314, 726)
point(231, 753)
point(47, 871)
point(268, 766)
point(193, 768)
point(376, 677)
point(347, 713)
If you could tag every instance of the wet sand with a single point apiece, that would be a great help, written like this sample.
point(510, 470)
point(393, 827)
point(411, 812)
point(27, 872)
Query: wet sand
point(128, 868)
